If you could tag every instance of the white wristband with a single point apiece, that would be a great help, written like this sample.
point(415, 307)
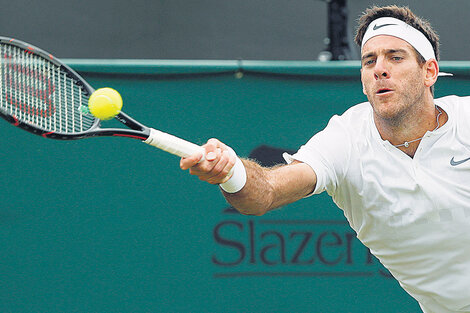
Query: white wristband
point(238, 179)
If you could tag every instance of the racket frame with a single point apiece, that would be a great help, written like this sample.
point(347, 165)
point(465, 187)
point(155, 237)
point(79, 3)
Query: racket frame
point(136, 129)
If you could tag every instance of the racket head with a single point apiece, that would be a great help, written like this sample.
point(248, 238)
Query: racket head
point(41, 94)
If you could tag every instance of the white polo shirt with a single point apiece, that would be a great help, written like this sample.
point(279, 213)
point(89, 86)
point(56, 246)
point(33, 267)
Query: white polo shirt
point(412, 213)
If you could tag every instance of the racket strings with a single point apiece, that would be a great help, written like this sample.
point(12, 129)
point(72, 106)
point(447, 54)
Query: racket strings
point(38, 92)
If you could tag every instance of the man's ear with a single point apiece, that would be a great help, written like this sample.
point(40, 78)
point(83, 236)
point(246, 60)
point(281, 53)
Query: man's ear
point(431, 68)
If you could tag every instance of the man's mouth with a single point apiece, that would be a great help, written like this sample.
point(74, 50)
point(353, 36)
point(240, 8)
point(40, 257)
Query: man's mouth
point(383, 91)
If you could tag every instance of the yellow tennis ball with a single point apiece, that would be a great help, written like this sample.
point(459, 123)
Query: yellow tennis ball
point(105, 103)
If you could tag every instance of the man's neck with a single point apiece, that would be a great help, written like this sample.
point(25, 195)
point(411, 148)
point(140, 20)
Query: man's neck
point(413, 124)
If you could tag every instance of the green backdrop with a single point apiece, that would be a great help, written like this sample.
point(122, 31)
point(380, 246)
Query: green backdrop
point(113, 225)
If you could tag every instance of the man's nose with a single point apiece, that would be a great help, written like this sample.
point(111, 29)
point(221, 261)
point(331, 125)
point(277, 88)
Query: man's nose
point(381, 70)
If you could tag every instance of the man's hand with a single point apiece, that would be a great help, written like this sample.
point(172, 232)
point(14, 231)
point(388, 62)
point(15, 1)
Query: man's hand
point(215, 168)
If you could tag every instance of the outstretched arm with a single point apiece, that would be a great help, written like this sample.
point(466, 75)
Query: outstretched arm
point(265, 188)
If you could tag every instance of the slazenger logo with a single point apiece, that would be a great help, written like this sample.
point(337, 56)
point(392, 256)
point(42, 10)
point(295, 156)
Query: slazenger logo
point(248, 247)
point(272, 247)
point(380, 26)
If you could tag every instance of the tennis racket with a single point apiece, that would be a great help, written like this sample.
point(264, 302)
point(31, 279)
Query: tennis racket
point(44, 96)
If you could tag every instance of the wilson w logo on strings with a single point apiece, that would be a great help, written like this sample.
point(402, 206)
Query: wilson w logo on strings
point(27, 87)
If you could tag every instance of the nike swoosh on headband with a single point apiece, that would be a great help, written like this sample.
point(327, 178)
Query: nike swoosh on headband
point(383, 25)
point(455, 163)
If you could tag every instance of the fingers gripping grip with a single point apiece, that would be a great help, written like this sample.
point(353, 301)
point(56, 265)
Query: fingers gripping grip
point(238, 179)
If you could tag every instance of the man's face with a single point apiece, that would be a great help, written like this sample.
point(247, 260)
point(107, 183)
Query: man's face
point(392, 78)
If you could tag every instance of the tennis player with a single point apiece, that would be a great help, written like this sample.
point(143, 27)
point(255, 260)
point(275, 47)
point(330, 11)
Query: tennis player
point(397, 165)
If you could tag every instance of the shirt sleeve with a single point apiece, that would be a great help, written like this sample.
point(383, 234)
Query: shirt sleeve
point(327, 153)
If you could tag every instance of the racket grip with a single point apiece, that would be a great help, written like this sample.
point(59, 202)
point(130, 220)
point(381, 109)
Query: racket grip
point(173, 144)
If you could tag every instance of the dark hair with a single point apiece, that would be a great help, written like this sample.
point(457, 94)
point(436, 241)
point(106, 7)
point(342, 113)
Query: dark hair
point(401, 13)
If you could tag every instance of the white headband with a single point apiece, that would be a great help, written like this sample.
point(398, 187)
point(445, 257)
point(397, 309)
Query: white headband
point(397, 28)
point(394, 27)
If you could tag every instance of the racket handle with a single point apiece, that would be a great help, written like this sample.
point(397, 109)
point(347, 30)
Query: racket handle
point(173, 144)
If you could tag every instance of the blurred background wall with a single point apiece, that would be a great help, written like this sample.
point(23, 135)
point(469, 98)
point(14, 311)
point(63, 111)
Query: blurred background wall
point(206, 29)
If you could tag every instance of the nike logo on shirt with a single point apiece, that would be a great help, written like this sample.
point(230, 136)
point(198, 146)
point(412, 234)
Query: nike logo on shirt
point(380, 26)
point(455, 163)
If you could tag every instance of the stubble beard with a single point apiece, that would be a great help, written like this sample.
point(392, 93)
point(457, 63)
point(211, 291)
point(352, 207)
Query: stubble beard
point(402, 109)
